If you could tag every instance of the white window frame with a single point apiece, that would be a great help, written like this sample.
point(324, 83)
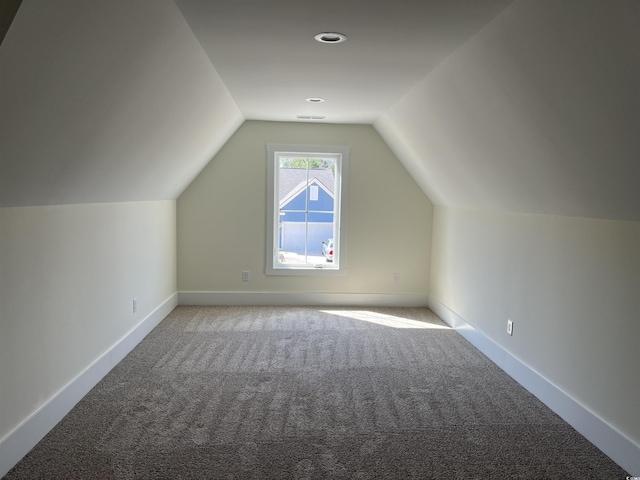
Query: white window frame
point(339, 264)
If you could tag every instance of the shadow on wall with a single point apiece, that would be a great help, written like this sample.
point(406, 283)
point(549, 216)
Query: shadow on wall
point(8, 10)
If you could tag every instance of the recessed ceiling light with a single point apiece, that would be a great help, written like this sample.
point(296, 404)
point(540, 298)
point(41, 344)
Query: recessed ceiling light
point(331, 37)
point(315, 100)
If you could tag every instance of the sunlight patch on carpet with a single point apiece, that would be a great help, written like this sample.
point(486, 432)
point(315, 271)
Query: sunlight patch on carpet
point(384, 319)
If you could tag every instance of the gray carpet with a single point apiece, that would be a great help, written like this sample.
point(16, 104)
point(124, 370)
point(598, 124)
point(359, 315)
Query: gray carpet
point(306, 393)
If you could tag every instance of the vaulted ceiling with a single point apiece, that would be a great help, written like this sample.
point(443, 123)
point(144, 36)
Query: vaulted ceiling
point(529, 106)
point(106, 101)
point(266, 54)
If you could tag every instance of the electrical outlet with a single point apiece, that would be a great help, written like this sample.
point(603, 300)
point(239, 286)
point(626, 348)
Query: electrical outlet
point(510, 327)
point(395, 278)
point(135, 305)
point(245, 276)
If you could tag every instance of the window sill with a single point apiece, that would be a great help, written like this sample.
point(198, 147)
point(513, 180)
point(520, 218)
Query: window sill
point(307, 271)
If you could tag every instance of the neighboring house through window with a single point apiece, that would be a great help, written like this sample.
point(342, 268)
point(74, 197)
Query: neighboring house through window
point(306, 209)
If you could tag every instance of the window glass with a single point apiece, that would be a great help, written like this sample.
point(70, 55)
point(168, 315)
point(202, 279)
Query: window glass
point(306, 214)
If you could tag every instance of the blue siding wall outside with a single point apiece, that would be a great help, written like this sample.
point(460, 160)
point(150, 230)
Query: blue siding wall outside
point(292, 237)
point(319, 217)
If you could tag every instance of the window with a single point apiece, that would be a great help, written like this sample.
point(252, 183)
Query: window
point(306, 209)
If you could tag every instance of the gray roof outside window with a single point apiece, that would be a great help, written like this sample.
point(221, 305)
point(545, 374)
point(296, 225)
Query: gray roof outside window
point(290, 178)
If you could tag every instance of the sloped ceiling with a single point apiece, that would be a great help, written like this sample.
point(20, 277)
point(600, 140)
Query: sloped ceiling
point(538, 113)
point(529, 106)
point(106, 101)
point(267, 56)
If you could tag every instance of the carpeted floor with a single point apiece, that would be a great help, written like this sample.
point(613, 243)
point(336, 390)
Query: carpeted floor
point(310, 393)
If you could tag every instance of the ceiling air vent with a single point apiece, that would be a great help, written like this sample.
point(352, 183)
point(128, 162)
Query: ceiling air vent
point(310, 117)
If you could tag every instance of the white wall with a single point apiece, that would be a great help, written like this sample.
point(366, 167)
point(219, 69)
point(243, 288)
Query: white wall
point(537, 113)
point(222, 217)
point(571, 285)
point(68, 275)
point(106, 101)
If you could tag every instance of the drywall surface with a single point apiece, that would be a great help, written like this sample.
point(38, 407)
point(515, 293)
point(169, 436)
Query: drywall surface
point(569, 284)
point(68, 278)
point(222, 217)
point(538, 113)
point(106, 102)
point(253, 43)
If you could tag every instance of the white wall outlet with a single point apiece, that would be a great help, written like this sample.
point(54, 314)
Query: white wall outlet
point(245, 276)
point(395, 278)
point(510, 327)
point(135, 305)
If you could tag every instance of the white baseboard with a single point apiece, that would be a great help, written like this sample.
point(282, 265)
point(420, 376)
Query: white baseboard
point(304, 298)
point(24, 437)
point(606, 437)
